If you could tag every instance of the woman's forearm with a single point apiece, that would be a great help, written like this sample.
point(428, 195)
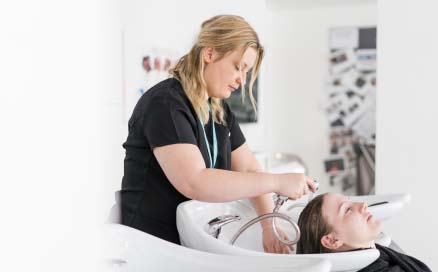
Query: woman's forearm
point(216, 185)
point(192, 179)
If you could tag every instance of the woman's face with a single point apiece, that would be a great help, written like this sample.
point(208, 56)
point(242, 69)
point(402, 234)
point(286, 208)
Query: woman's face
point(224, 76)
point(353, 226)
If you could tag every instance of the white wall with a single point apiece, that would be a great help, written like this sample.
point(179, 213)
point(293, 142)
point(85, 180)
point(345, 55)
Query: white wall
point(299, 66)
point(110, 123)
point(407, 114)
point(52, 73)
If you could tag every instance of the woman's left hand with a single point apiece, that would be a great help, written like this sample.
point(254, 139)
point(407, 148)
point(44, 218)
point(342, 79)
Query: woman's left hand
point(272, 245)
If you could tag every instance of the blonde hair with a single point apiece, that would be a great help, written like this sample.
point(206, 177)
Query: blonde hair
point(224, 33)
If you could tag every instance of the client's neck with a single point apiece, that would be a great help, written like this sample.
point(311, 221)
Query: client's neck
point(346, 247)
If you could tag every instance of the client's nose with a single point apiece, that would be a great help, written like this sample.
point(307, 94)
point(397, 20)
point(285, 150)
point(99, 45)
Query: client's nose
point(363, 207)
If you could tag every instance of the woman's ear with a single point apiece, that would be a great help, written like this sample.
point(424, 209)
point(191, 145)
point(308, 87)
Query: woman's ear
point(209, 54)
point(331, 242)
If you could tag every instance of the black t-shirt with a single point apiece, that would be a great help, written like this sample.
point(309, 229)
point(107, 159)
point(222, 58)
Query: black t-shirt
point(164, 115)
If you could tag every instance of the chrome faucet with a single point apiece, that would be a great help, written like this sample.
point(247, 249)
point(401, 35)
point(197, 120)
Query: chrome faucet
point(215, 225)
point(279, 201)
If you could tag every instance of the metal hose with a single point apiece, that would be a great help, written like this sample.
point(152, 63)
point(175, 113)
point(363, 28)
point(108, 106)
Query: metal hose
point(270, 215)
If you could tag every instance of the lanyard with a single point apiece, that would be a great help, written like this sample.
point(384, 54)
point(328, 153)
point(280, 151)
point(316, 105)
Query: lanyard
point(212, 162)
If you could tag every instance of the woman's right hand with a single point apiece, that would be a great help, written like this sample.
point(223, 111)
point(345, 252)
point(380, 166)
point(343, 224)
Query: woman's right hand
point(294, 185)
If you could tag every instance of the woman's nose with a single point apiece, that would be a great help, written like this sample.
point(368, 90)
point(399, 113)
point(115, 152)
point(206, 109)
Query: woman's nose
point(241, 79)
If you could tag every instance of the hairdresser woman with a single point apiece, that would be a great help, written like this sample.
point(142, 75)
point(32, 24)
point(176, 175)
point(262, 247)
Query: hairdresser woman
point(185, 143)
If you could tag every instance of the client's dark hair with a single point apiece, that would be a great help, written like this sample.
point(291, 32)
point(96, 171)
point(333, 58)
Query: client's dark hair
point(313, 227)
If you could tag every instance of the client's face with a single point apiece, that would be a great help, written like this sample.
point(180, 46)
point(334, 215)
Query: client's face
point(353, 226)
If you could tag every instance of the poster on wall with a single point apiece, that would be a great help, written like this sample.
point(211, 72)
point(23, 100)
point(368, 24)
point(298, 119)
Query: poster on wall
point(156, 69)
point(350, 98)
point(148, 68)
point(344, 37)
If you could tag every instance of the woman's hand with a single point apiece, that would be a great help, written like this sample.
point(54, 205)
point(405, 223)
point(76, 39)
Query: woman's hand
point(272, 245)
point(294, 185)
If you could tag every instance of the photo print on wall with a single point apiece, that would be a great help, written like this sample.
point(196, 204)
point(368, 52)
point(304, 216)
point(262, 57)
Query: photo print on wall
point(349, 95)
point(144, 70)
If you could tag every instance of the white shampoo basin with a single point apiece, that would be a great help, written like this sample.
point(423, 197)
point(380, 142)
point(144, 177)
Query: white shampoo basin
point(193, 216)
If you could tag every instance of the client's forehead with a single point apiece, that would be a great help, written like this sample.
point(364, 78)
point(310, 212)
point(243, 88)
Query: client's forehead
point(331, 203)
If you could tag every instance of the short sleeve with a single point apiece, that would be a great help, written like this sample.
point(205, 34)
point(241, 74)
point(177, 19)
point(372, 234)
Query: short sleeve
point(236, 136)
point(166, 122)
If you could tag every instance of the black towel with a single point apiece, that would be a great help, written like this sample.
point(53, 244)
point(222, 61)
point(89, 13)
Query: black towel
point(393, 261)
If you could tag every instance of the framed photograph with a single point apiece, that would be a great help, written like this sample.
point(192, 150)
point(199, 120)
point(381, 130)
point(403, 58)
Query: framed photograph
point(342, 60)
point(366, 59)
point(335, 165)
